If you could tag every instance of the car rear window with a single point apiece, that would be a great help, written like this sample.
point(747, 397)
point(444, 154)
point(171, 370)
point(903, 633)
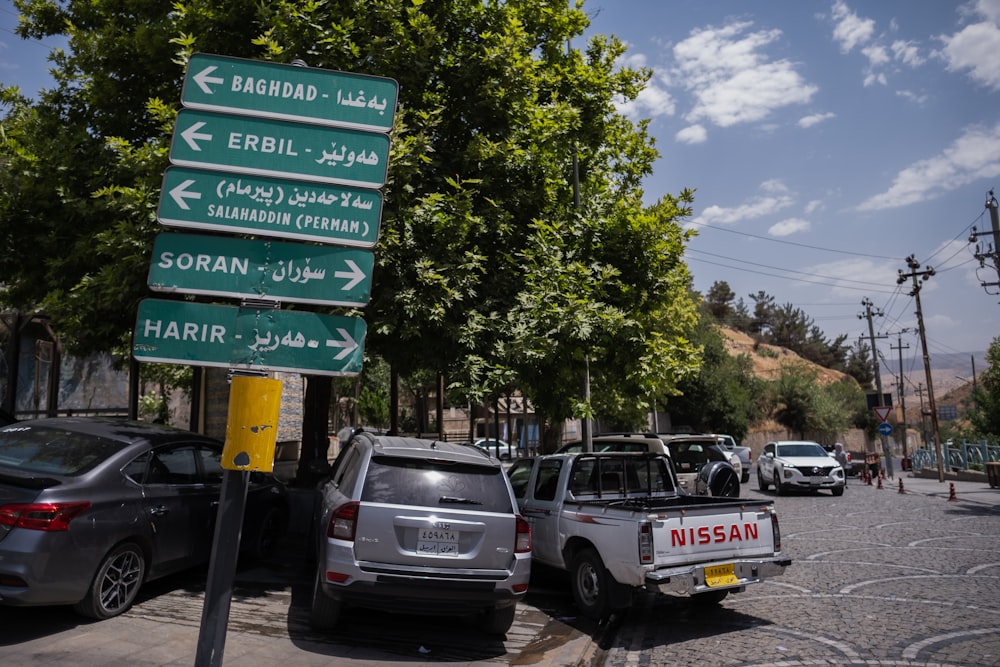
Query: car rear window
point(436, 483)
point(52, 451)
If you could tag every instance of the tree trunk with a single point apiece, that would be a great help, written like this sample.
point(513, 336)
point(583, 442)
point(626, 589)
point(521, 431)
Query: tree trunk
point(313, 462)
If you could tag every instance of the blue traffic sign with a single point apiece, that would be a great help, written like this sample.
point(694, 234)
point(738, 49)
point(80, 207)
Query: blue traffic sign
point(885, 428)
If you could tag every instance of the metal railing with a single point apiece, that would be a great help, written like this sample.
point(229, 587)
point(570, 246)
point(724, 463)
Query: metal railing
point(958, 456)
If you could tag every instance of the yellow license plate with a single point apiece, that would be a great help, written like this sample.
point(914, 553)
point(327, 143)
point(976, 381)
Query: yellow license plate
point(720, 575)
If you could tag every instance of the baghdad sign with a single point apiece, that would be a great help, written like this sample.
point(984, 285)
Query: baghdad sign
point(199, 199)
point(203, 334)
point(256, 269)
point(264, 147)
point(289, 92)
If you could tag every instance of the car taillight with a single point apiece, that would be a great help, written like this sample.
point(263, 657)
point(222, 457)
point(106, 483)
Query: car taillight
point(343, 522)
point(522, 543)
point(41, 516)
point(645, 542)
point(775, 532)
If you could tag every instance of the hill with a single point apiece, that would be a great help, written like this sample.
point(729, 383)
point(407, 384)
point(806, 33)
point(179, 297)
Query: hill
point(769, 359)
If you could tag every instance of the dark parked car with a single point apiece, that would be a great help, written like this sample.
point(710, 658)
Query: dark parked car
point(419, 526)
point(90, 508)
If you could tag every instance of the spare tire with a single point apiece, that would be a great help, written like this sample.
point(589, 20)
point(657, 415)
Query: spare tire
point(719, 478)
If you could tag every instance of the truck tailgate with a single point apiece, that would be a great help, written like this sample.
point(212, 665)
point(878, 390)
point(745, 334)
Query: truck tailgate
point(720, 531)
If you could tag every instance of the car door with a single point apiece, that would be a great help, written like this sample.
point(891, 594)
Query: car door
point(766, 461)
point(541, 509)
point(180, 504)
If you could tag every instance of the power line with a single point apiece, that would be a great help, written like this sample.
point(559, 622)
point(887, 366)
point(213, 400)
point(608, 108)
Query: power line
point(853, 253)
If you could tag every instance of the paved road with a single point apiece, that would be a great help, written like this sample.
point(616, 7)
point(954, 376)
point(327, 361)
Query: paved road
point(879, 578)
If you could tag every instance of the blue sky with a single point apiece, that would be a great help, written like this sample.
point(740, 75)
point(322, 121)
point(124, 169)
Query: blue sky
point(826, 141)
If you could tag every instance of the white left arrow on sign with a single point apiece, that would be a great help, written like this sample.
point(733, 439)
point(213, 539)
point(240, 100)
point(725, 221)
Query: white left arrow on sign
point(192, 136)
point(348, 344)
point(203, 79)
point(180, 194)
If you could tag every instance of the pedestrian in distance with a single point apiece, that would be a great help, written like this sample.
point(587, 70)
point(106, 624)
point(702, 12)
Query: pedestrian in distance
point(841, 456)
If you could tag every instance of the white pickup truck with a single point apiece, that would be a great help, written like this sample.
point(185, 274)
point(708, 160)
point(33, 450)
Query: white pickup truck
point(617, 523)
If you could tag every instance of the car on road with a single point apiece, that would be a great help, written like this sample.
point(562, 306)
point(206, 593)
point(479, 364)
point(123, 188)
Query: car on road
point(799, 464)
point(702, 467)
point(91, 508)
point(499, 448)
point(420, 526)
point(744, 454)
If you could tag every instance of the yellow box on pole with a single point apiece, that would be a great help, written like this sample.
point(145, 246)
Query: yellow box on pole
point(252, 425)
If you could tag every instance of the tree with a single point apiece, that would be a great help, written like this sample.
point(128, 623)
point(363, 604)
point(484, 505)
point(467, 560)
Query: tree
point(487, 268)
point(985, 417)
point(719, 302)
point(724, 397)
point(792, 398)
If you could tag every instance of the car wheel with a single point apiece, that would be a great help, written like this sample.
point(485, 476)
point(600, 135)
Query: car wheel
point(499, 620)
point(590, 584)
point(268, 534)
point(778, 490)
point(837, 490)
point(761, 484)
point(745, 477)
point(324, 611)
point(116, 583)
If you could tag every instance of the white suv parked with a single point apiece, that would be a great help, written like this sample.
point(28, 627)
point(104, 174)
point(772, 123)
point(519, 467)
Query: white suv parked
point(422, 526)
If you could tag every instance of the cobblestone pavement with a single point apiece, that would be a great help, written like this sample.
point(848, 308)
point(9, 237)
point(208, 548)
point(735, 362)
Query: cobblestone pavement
point(878, 577)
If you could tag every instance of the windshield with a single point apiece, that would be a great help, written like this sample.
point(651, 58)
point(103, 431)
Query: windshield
point(801, 449)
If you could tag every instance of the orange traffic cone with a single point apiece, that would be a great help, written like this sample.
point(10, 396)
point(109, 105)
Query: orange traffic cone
point(901, 490)
point(951, 492)
point(879, 482)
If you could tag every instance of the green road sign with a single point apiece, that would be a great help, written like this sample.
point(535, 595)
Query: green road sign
point(200, 334)
point(288, 92)
point(258, 269)
point(265, 147)
point(199, 199)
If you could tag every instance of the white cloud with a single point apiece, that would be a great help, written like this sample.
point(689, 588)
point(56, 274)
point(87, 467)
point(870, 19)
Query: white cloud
point(917, 98)
point(974, 49)
point(789, 227)
point(732, 79)
point(652, 101)
point(774, 185)
point(693, 134)
point(813, 206)
point(815, 119)
point(851, 30)
point(844, 274)
point(754, 208)
point(974, 155)
point(906, 53)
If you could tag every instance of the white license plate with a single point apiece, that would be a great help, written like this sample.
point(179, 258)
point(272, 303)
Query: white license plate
point(816, 481)
point(437, 542)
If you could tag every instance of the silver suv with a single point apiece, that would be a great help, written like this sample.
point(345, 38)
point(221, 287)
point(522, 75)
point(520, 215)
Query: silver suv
point(420, 526)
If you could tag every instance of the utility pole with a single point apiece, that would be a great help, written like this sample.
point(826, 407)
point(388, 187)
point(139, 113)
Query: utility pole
point(867, 303)
point(902, 384)
point(924, 275)
point(992, 249)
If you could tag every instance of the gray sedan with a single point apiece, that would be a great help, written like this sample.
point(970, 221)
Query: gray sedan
point(90, 508)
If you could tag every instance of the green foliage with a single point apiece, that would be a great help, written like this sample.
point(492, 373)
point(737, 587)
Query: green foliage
point(985, 416)
point(487, 267)
point(724, 396)
point(785, 326)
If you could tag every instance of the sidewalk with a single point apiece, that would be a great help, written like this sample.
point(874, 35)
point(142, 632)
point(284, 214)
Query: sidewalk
point(926, 483)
